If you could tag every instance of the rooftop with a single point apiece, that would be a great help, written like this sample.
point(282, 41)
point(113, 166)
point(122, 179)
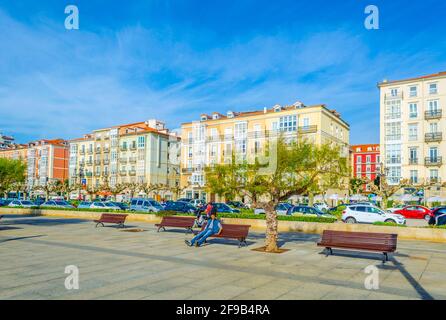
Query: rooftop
point(430, 76)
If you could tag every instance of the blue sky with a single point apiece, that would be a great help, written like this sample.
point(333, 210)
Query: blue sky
point(174, 60)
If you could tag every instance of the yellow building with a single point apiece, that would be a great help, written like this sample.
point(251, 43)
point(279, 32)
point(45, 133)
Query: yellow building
point(143, 152)
point(217, 136)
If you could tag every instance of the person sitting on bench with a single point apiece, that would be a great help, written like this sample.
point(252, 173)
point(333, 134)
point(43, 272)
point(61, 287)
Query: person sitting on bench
point(213, 226)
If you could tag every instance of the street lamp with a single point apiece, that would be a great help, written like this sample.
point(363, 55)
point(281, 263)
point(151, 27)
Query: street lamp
point(81, 175)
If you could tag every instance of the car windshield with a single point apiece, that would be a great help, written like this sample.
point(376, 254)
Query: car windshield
point(61, 203)
point(110, 204)
point(27, 202)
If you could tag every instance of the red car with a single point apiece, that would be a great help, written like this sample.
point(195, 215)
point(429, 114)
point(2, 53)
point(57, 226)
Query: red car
point(415, 212)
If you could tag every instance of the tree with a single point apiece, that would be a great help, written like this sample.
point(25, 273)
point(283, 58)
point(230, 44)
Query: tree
point(386, 190)
point(356, 184)
point(132, 188)
point(291, 169)
point(49, 188)
point(11, 172)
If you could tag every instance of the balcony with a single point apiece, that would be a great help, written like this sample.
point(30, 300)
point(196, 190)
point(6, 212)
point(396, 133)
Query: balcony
point(132, 160)
point(132, 172)
point(122, 173)
point(106, 150)
point(98, 150)
point(433, 114)
point(89, 174)
point(89, 162)
point(82, 151)
point(133, 147)
point(123, 148)
point(394, 160)
point(187, 170)
point(105, 173)
point(97, 174)
point(433, 137)
point(90, 151)
point(434, 180)
point(307, 129)
point(413, 160)
point(398, 96)
point(106, 161)
point(433, 161)
point(97, 162)
point(98, 138)
point(123, 160)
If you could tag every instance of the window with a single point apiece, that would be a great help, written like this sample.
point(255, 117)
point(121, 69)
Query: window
point(306, 122)
point(393, 109)
point(413, 110)
point(433, 89)
point(141, 142)
point(393, 154)
point(369, 159)
point(394, 92)
point(413, 132)
point(393, 131)
point(413, 91)
point(190, 152)
point(358, 159)
point(287, 123)
point(433, 174)
point(413, 176)
point(358, 169)
point(433, 127)
point(413, 155)
point(433, 106)
point(240, 130)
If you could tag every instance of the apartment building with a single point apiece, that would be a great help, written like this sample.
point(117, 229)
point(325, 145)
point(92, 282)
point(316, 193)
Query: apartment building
point(411, 128)
point(142, 152)
point(365, 160)
point(5, 141)
point(15, 151)
point(215, 137)
point(47, 160)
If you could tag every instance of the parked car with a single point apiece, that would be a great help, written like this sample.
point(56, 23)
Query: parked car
point(180, 206)
point(281, 209)
point(197, 202)
point(146, 205)
point(395, 208)
point(438, 216)
point(307, 210)
point(122, 205)
point(184, 200)
point(110, 205)
point(237, 204)
point(22, 203)
point(415, 212)
point(84, 205)
point(39, 201)
point(224, 208)
point(321, 206)
point(370, 214)
point(57, 204)
point(4, 202)
point(103, 205)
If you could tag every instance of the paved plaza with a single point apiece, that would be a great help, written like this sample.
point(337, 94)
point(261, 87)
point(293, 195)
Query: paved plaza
point(115, 264)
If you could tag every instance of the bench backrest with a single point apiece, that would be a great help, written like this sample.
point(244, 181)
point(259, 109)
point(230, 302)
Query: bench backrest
point(233, 230)
point(112, 217)
point(361, 239)
point(178, 221)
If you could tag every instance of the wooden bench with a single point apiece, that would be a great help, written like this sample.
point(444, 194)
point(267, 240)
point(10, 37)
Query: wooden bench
point(233, 231)
point(176, 222)
point(362, 241)
point(118, 219)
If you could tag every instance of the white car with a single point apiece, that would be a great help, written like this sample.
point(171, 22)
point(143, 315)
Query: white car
point(321, 206)
point(104, 205)
point(369, 214)
point(22, 203)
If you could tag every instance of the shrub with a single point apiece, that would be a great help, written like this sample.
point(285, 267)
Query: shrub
point(165, 213)
point(389, 224)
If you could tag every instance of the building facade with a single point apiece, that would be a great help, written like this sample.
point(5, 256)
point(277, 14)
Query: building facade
point(411, 129)
point(47, 160)
point(143, 152)
point(214, 138)
point(6, 141)
point(365, 160)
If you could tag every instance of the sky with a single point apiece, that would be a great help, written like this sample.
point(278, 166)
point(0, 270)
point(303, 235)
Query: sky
point(174, 60)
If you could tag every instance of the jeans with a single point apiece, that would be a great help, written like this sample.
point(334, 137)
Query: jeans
point(202, 236)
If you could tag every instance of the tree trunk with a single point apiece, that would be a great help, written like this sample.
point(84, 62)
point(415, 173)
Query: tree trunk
point(310, 199)
point(47, 195)
point(384, 203)
point(271, 227)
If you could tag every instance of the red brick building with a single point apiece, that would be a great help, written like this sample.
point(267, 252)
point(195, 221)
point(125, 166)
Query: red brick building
point(365, 161)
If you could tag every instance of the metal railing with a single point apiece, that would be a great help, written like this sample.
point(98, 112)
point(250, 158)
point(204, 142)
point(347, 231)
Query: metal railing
point(433, 137)
point(433, 161)
point(433, 114)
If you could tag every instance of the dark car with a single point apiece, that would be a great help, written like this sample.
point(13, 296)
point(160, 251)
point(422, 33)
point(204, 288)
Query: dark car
point(180, 206)
point(224, 208)
point(301, 209)
point(184, 200)
point(4, 202)
point(237, 204)
point(438, 217)
point(124, 206)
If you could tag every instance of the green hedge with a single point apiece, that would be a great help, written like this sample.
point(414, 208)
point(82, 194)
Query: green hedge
point(389, 224)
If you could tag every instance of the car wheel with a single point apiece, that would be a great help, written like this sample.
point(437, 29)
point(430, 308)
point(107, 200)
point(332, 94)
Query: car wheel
point(427, 217)
point(350, 220)
point(390, 221)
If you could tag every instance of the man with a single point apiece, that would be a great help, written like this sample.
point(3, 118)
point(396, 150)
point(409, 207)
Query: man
point(213, 226)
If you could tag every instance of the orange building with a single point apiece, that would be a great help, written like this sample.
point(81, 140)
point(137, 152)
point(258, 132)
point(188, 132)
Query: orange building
point(47, 160)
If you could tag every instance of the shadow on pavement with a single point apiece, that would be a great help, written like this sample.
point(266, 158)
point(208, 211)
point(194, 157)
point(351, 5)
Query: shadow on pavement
point(20, 238)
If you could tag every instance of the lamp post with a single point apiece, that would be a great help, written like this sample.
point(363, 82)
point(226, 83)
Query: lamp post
point(81, 175)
